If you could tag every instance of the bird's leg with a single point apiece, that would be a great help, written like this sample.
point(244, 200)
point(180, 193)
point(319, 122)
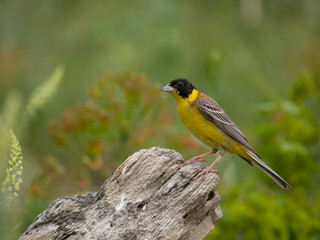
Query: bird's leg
point(209, 169)
point(198, 158)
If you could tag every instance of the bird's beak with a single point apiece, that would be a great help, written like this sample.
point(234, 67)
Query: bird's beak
point(167, 88)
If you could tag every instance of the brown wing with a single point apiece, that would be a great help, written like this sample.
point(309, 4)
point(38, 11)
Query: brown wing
point(213, 112)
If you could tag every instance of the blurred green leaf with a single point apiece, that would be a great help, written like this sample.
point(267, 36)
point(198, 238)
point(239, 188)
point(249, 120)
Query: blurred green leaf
point(304, 87)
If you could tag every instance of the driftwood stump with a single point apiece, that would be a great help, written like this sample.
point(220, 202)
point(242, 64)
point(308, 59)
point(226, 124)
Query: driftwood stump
point(147, 197)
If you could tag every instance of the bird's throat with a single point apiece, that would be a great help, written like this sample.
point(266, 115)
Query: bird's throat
point(191, 97)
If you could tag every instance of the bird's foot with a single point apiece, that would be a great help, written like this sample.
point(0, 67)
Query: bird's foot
point(204, 173)
point(195, 159)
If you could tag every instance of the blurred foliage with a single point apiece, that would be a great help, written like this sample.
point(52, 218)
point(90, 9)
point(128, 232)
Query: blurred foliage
point(290, 144)
point(121, 115)
point(13, 116)
point(239, 52)
point(40, 97)
point(11, 184)
point(10, 111)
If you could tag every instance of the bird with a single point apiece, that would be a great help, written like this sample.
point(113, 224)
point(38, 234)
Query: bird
point(209, 123)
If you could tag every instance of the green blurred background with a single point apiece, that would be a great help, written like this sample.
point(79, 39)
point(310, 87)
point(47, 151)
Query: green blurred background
point(259, 59)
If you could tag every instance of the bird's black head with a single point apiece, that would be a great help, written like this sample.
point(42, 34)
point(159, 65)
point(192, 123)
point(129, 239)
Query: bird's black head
point(182, 86)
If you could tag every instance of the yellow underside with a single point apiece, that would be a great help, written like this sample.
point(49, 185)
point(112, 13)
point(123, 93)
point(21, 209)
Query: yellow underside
point(203, 129)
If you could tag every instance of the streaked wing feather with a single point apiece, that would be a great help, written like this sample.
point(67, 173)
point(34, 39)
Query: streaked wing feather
point(213, 112)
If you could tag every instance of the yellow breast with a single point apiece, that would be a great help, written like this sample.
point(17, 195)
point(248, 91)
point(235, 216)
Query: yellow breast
point(203, 129)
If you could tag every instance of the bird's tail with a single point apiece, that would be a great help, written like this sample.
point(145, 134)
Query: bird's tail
point(264, 167)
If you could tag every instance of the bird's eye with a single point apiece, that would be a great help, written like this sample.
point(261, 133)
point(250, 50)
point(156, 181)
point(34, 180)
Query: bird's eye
point(180, 84)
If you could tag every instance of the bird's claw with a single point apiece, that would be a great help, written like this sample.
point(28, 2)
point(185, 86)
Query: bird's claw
point(204, 172)
point(192, 161)
point(202, 160)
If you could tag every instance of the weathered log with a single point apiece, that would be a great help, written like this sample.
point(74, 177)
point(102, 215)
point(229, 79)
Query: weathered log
point(147, 197)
